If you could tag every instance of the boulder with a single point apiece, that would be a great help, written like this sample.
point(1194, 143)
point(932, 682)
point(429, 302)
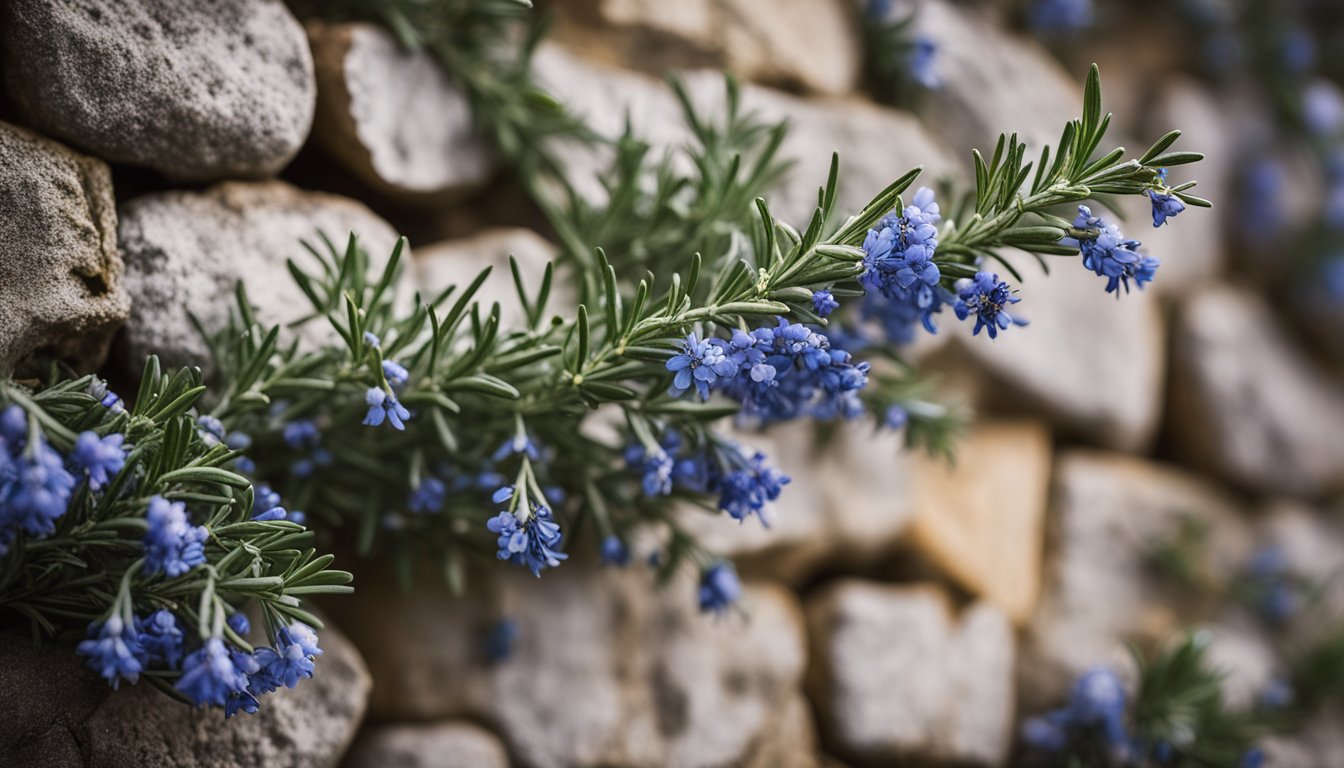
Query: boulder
point(73, 718)
point(1110, 514)
point(1248, 403)
point(393, 117)
point(755, 40)
point(448, 744)
point(458, 262)
point(896, 676)
point(186, 251)
point(658, 684)
point(60, 274)
point(982, 519)
point(198, 90)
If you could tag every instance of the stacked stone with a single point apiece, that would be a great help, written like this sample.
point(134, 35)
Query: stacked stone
point(899, 610)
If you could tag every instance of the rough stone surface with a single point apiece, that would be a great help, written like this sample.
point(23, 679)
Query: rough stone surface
point(73, 719)
point(436, 745)
point(393, 117)
point(984, 70)
point(759, 41)
point(198, 89)
point(1108, 513)
point(876, 145)
point(982, 520)
point(60, 273)
point(185, 252)
point(1109, 394)
point(896, 676)
point(1248, 404)
point(458, 262)
point(658, 684)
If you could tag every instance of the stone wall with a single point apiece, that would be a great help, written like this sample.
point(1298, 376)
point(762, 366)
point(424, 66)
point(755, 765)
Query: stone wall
point(901, 609)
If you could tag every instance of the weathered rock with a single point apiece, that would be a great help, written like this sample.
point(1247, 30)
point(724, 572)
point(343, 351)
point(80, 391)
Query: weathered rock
point(983, 68)
point(197, 90)
point(1248, 404)
point(1109, 514)
point(1319, 744)
point(436, 745)
point(877, 145)
point(60, 273)
point(185, 252)
point(1192, 247)
point(758, 41)
point(982, 520)
point(658, 684)
point(393, 117)
point(895, 676)
point(1058, 368)
point(1312, 545)
point(73, 719)
point(458, 262)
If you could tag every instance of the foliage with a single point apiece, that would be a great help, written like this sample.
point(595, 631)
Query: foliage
point(115, 548)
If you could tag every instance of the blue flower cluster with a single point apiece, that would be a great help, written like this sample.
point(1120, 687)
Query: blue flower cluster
point(1110, 255)
point(1094, 714)
point(745, 484)
point(173, 545)
point(720, 588)
point(533, 540)
point(920, 63)
point(37, 482)
point(780, 373)
point(898, 266)
point(216, 673)
point(305, 437)
point(986, 298)
point(1165, 204)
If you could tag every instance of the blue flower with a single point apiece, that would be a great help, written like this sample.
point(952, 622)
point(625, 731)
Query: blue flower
point(210, 429)
point(1044, 734)
point(212, 675)
point(900, 276)
point(655, 465)
point(99, 457)
point(1322, 108)
point(384, 405)
point(532, 541)
point(1297, 50)
point(748, 488)
point(172, 545)
point(394, 373)
point(920, 60)
point(700, 364)
point(500, 640)
point(372, 339)
point(429, 496)
point(1095, 709)
point(824, 303)
point(162, 639)
point(719, 588)
point(1110, 255)
point(521, 443)
point(792, 371)
point(614, 551)
point(107, 398)
point(290, 660)
point(264, 498)
point(274, 513)
point(1165, 206)
point(895, 417)
point(238, 622)
point(987, 298)
point(115, 653)
point(301, 434)
point(1254, 758)
point(35, 488)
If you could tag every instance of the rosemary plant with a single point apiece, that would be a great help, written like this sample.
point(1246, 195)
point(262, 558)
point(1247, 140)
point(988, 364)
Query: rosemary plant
point(434, 432)
point(135, 524)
